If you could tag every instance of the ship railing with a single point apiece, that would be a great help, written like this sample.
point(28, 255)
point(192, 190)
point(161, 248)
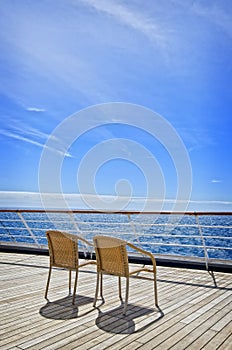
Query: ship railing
point(191, 239)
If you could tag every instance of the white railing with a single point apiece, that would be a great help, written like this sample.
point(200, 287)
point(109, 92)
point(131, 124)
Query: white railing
point(201, 235)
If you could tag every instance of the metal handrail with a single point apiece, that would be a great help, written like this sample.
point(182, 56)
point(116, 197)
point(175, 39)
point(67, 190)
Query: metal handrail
point(22, 222)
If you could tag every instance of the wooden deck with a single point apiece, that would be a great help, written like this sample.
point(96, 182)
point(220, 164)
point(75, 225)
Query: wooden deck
point(197, 315)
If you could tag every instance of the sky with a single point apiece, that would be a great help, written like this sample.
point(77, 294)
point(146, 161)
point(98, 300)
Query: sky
point(118, 68)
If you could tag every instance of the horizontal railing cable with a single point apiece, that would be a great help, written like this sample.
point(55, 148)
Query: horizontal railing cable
point(15, 223)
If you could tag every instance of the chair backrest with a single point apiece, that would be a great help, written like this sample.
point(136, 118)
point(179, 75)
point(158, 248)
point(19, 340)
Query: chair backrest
point(63, 249)
point(111, 255)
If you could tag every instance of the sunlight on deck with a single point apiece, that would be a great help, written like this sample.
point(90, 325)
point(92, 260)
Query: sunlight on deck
point(197, 315)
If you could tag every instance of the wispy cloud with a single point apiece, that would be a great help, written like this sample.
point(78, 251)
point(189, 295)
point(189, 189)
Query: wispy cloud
point(43, 46)
point(21, 138)
point(65, 200)
point(215, 181)
point(35, 109)
point(132, 18)
point(216, 14)
point(24, 133)
point(196, 138)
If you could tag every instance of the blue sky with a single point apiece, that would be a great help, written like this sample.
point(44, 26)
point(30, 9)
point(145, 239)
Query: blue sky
point(172, 57)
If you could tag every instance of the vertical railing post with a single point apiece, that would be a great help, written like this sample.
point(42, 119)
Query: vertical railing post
point(86, 251)
point(28, 229)
point(203, 242)
point(8, 231)
point(132, 225)
point(134, 229)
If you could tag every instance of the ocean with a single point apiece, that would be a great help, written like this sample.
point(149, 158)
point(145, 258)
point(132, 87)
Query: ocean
point(169, 234)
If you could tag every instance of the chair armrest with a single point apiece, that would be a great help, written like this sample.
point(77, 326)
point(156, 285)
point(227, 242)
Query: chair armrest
point(143, 252)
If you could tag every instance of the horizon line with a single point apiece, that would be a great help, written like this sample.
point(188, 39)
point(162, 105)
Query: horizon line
point(167, 200)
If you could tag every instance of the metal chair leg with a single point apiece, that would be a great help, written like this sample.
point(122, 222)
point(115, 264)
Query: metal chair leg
point(101, 285)
point(48, 281)
point(120, 288)
point(155, 291)
point(75, 287)
point(70, 282)
point(97, 288)
point(126, 297)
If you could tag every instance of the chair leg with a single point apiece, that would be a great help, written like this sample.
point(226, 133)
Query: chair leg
point(48, 281)
point(126, 297)
point(155, 291)
point(101, 286)
point(75, 287)
point(97, 288)
point(70, 283)
point(120, 288)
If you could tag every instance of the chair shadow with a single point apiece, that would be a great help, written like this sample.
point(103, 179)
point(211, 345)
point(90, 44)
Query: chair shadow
point(63, 309)
point(113, 321)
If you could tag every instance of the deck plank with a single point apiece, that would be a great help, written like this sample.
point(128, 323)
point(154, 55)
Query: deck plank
point(197, 315)
point(226, 345)
point(219, 338)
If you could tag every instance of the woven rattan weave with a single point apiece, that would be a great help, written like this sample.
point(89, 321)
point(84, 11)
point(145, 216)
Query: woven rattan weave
point(63, 252)
point(112, 258)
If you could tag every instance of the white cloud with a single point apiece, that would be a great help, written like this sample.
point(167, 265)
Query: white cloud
point(22, 132)
point(216, 14)
point(215, 181)
point(132, 18)
point(35, 143)
point(62, 200)
point(35, 109)
point(46, 51)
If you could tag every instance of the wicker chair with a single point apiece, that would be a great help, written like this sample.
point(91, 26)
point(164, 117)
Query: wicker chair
point(63, 252)
point(112, 258)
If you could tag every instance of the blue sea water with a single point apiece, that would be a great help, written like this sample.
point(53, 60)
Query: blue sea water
point(160, 234)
